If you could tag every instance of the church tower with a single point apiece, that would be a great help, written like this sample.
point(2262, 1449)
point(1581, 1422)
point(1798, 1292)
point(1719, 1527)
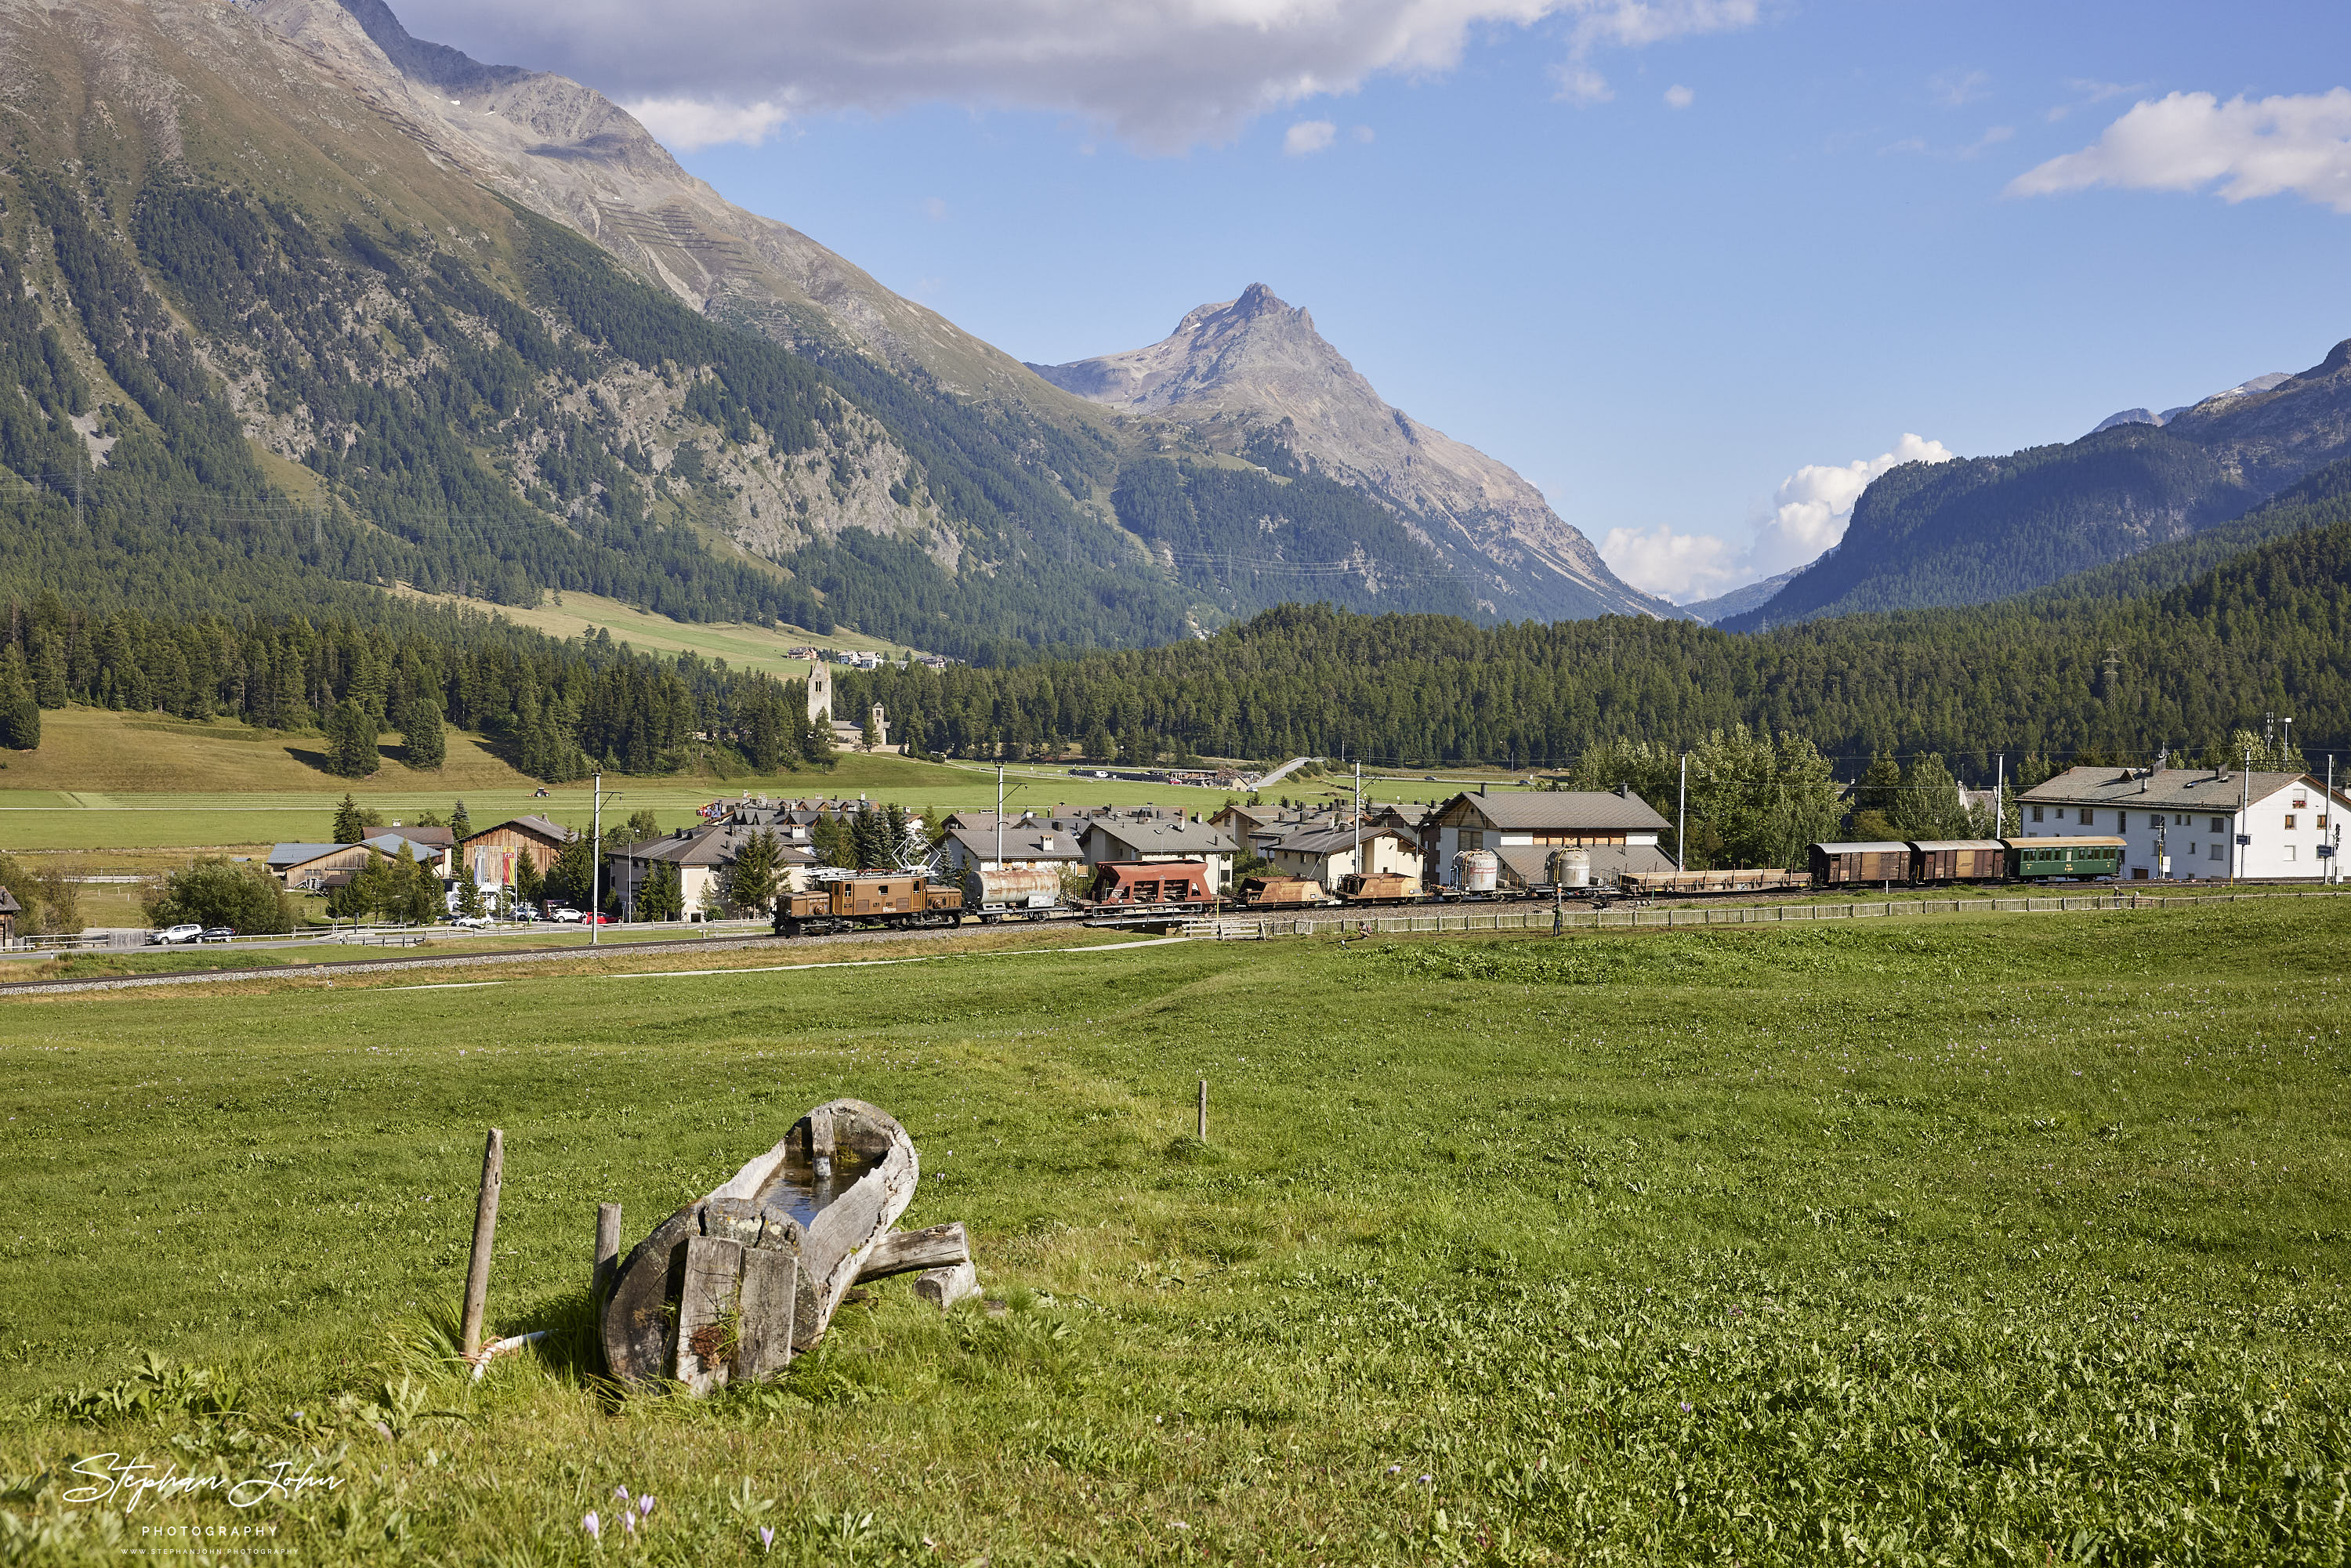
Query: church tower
point(820, 693)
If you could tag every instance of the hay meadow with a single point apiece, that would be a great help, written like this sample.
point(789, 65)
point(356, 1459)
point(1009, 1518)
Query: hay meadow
point(1999, 1240)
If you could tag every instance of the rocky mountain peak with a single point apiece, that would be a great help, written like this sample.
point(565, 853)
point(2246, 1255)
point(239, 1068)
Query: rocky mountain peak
point(1257, 373)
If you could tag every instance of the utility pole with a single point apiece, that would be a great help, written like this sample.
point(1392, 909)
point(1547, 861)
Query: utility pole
point(2333, 828)
point(2244, 818)
point(596, 861)
point(1359, 816)
point(1681, 820)
point(999, 816)
point(2000, 795)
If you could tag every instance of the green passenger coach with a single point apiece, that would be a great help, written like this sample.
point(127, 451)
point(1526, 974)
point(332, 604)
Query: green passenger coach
point(2043, 859)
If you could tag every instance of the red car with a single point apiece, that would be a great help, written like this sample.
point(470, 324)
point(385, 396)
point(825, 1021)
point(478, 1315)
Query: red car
point(595, 920)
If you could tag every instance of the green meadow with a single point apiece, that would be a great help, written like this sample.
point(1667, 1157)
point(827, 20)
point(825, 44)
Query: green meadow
point(1971, 1240)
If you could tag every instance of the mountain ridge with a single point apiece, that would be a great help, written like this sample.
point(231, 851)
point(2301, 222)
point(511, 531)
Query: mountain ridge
point(1981, 528)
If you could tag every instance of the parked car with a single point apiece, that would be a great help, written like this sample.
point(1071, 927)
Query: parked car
point(570, 916)
point(216, 934)
point(171, 936)
point(593, 919)
point(472, 922)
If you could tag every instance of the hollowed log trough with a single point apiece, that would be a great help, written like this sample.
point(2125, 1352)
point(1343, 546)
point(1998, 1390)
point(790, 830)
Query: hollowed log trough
point(731, 1287)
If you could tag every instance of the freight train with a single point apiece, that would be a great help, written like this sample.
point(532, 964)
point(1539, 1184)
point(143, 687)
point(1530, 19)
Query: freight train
point(1926, 863)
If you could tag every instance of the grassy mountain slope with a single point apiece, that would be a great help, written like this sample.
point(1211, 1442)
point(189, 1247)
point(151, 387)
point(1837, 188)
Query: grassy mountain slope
point(1981, 528)
point(484, 402)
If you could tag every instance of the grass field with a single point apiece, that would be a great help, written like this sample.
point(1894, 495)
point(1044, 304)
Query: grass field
point(106, 781)
point(1970, 1241)
point(743, 646)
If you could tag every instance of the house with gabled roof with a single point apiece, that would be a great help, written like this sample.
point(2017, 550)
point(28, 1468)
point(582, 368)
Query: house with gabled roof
point(1541, 820)
point(2179, 823)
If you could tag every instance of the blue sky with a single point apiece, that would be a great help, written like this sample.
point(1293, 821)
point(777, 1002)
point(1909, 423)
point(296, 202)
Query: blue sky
point(1787, 234)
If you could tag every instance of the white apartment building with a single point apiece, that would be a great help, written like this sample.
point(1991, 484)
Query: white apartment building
point(2206, 824)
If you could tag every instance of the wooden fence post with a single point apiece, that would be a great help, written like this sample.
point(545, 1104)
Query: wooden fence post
point(608, 1251)
point(1203, 1110)
point(485, 1226)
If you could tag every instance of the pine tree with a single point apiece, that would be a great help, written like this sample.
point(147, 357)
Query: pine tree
point(425, 743)
point(350, 827)
point(49, 671)
point(662, 897)
point(20, 716)
point(469, 897)
point(751, 875)
point(350, 741)
point(869, 839)
point(461, 826)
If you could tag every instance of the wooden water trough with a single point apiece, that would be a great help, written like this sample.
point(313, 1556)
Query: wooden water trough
point(734, 1284)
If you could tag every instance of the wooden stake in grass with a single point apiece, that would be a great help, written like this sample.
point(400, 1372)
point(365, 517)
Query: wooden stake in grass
point(485, 1226)
point(608, 1251)
point(1203, 1110)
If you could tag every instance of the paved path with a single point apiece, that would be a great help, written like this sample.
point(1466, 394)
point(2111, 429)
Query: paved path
point(1282, 772)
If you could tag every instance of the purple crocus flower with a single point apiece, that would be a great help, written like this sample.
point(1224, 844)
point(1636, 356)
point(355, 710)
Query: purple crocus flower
point(594, 1526)
point(645, 1505)
point(767, 1538)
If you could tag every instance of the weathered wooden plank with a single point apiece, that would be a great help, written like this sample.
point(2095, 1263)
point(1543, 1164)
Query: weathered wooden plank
point(486, 1227)
point(608, 1251)
point(910, 1251)
point(943, 1288)
point(771, 1288)
point(708, 1311)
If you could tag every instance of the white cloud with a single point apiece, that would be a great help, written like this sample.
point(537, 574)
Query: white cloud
point(1631, 25)
point(1579, 84)
point(683, 124)
point(2298, 145)
point(1679, 96)
point(1680, 567)
point(1308, 136)
point(1808, 514)
point(1163, 75)
point(1365, 134)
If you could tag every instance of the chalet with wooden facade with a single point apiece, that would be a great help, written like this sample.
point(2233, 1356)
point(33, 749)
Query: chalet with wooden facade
point(489, 856)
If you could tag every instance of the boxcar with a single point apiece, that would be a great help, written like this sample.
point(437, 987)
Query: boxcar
point(1835, 864)
point(1958, 860)
point(2041, 860)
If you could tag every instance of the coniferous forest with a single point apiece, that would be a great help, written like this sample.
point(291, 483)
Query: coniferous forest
point(2053, 676)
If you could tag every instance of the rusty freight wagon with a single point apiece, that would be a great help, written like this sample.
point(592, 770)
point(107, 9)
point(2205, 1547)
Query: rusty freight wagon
point(1835, 865)
point(1959, 860)
point(1157, 885)
point(878, 898)
point(1282, 893)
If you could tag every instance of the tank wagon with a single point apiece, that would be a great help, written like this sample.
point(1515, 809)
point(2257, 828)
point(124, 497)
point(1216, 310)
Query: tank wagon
point(868, 900)
point(1012, 893)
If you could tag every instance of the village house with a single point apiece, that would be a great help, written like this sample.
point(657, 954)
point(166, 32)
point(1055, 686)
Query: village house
point(489, 856)
point(1147, 834)
point(1326, 855)
point(1027, 841)
point(2181, 824)
point(703, 857)
point(10, 913)
point(1522, 827)
point(317, 867)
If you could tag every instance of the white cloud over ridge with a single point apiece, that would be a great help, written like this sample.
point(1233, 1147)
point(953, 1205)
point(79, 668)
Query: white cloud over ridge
point(1809, 513)
point(1308, 136)
point(1162, 75)
point(2298, 144)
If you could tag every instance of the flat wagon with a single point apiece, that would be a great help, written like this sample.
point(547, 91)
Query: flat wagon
point(1703, 884)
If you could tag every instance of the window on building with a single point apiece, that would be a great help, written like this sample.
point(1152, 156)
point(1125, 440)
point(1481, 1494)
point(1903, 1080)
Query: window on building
point(2036, 813)
point(2289, 820)
point(2155, 819)
point(2300, 802)
point(2216, 853)
point(2219, 824)
point(2191, 851)
point(2089, 817)
point(2287, 852)
point(1473, 839)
